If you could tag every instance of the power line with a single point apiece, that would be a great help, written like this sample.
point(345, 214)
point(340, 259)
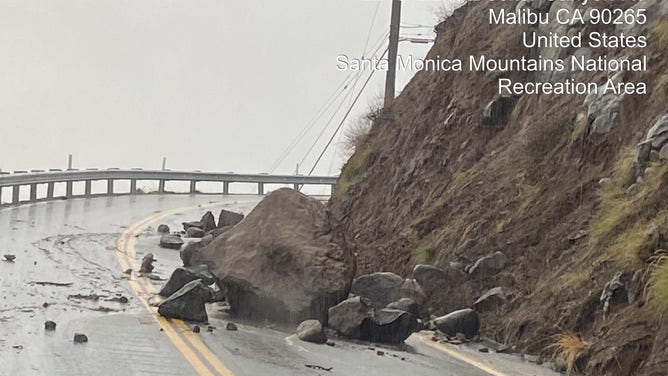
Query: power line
point(345, 84)
point(322, 131)
point(344, 118)
point(339, 90)
point(373, 21)
point(339, 107)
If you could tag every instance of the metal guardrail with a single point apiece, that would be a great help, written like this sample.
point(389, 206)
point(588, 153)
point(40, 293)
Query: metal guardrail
point(35, 177)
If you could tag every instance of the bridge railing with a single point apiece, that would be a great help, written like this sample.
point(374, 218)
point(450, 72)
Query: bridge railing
point(50, 178)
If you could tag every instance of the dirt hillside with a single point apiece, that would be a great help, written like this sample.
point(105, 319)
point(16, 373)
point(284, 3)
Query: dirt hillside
point(555, 183)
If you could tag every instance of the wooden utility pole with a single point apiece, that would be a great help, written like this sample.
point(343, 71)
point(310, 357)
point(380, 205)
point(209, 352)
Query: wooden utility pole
point(393, 49)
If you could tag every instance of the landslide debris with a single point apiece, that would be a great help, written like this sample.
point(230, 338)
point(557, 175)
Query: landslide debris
point(282, 261)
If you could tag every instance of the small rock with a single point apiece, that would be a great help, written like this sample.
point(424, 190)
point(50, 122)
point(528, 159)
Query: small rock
point(406, 305)
point(311, 331)
point(663, 154)
point(128, 271)
point(171, 241)
point(196, 329)
point(331, 343)
point(488, 265)
point(633, 189)
point(188, 303)
point(654, 156)
point(45, 304)
point(163, 229)
point(49, 325)
point(464, 321)
point(147, 263)
point(532, 358)
point(380, 353)
point(123, 300)
point(615, 291)
point(231, 326)
point(490, 300)
point(10, 257)
point(80, 338)
point(228, 218)
point(182, 276)
point(195, 232)
point(483, 350)
point(578, 235)
point(208, 222)
point(210, 329)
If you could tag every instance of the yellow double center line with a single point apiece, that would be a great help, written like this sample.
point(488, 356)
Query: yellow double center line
point(202, 359)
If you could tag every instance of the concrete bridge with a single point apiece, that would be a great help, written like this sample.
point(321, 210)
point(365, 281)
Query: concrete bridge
point(32, 179)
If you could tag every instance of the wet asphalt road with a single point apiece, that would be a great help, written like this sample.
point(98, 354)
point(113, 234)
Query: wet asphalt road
point(74, 244)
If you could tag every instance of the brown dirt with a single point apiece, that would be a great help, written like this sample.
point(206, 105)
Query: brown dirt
point(430, 175)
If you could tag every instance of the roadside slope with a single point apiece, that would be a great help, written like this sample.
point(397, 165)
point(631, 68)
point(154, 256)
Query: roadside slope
point(435, 173)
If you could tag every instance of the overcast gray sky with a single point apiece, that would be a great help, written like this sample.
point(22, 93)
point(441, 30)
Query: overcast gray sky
point(211, 85)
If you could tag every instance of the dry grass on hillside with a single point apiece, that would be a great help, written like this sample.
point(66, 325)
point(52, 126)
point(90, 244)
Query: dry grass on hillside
point(569, 346)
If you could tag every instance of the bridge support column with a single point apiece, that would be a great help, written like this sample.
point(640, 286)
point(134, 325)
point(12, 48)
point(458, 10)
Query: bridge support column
point(133, 186)
point(260, 189)
point(193, 187)
point(49, 190)
point(295, 187)
point(161, 186)
point(16, 190)
point(110, 187)
point(68, 189)
point(226, 187)
point(88, 188)
point(0, 196)
point(33, 192)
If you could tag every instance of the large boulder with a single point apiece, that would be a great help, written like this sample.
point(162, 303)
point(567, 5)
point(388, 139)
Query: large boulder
point(348, 316)
point(446, 289)
point(188, 303)
point(389, 326)
point(380, 289)
point(465, 321)
point(428, 276)
point(355, 318)
point(182, 276)
point(412, 290)
point(311, 331)
point(171, 241)
point(282, 262)
point(229, 218)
